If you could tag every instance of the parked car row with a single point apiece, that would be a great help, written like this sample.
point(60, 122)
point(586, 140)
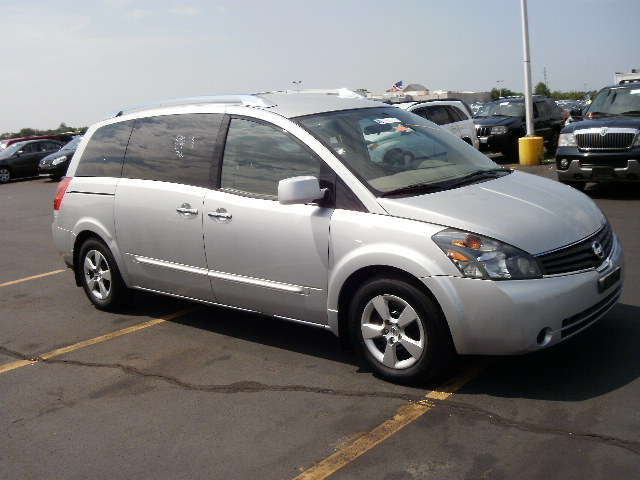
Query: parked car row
point(29, 158)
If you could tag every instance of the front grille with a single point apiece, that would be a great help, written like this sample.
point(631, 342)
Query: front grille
point(582, 320)
point(611, 140)
point(579, 256)
point(483, 131)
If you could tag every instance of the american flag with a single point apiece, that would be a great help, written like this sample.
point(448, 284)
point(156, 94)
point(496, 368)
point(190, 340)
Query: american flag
point(396, 87)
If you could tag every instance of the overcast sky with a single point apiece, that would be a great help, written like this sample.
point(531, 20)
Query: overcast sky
point(76, 61)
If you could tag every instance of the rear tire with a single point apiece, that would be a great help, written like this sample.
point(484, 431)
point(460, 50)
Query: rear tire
point(100, 276)
point(399, 332)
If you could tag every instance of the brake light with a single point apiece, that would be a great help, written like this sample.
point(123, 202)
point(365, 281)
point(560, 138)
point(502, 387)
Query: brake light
point(60, 191)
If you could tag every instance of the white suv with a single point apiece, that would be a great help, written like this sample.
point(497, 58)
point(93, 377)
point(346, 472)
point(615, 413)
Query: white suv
point(340, 213)
point(452, 115)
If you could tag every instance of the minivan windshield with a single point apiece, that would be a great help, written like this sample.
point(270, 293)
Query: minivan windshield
point(504, 108)
point(616, 101)
point(396, 152)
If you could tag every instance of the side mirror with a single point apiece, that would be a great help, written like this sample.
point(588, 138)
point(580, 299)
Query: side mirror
point(299, 190)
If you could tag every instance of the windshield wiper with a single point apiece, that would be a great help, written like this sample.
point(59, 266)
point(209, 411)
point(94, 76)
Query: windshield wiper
point(631, 112)
point(477, 175)
point(602, 114)
point(415, 188)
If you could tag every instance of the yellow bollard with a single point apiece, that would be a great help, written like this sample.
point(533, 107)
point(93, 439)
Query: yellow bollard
point(531, 150)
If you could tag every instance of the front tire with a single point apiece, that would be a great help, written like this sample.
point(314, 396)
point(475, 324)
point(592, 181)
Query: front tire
point(399, 332)
point(5, 174)
point(100, 276)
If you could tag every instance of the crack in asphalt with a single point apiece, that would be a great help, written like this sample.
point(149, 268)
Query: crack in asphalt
point(257, 387)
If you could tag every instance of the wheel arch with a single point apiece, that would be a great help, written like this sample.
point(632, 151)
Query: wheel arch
point(357, 278)
point(81, 238)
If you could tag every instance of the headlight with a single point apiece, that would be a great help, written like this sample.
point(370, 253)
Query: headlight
point(567, 140)
point(59, 160)
point(481, 257)
point(499, 130)
point(637, 144)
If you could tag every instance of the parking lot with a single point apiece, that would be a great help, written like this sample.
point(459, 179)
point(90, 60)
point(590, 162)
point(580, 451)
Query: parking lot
point(170, 389)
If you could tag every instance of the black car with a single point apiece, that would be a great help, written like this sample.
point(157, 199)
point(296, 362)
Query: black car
point(603, 142)
point(55, 165)
point(21, 159)
point(499, 124)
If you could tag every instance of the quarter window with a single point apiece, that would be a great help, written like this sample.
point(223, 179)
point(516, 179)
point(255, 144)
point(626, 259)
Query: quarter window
point(257, 157)
point(104, 153)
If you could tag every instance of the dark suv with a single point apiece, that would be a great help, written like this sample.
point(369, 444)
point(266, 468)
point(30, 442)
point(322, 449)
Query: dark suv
point(499, 124)
point(604, 144)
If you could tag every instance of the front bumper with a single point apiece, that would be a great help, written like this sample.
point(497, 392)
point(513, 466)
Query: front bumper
point(598, 166)
point(519, 316)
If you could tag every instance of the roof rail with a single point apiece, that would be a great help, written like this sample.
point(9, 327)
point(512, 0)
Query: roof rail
point(244, 99)
point(340, 92)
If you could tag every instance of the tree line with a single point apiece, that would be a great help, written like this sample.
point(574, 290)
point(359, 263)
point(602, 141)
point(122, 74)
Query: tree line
point(31, 132)
point(542, 89)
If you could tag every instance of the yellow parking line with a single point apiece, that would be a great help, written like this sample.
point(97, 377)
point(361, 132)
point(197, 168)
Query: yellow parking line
point(403, 417)
point(6, 284)
point(60, 351)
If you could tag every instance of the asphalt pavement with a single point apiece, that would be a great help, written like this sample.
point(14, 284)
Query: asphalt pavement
point(172, 390)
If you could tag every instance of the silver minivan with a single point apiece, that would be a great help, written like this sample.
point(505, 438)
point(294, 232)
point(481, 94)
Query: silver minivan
point(337, 212)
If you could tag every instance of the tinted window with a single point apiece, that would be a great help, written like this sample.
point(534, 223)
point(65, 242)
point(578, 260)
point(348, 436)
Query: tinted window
point(457, 114)
point(257, 157)
point(173, 148)
point(50, 146)
point(104, 153)
point(543, 109)
point(31, 148)
point(438, 114)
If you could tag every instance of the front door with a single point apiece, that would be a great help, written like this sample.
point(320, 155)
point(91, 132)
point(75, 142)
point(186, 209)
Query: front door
point(264, 256)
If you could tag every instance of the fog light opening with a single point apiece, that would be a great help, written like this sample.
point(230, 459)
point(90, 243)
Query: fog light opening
point(544, 337)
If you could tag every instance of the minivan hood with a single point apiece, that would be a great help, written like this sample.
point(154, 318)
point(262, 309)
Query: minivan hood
point(529, 212)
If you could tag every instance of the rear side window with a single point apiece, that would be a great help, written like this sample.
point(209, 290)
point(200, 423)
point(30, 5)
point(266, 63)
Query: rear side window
point(173, 148)
point(104, 153)
point(437, 114)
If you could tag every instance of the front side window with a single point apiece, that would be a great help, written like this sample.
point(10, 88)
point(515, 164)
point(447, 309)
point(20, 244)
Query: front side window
point(257, 157)
point(393, 151)
point(31, 148)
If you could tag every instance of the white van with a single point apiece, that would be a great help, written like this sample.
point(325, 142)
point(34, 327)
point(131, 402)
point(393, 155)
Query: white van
point(339, 213)
point(452, 115)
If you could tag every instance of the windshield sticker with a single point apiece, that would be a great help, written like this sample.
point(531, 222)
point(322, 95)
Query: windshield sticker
point(383, 121)
point(401, 128)
point(634, 92)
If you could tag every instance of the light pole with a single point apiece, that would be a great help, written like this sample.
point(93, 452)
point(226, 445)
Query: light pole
point(297, 83)
point(527, 70)
point(499, 88)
